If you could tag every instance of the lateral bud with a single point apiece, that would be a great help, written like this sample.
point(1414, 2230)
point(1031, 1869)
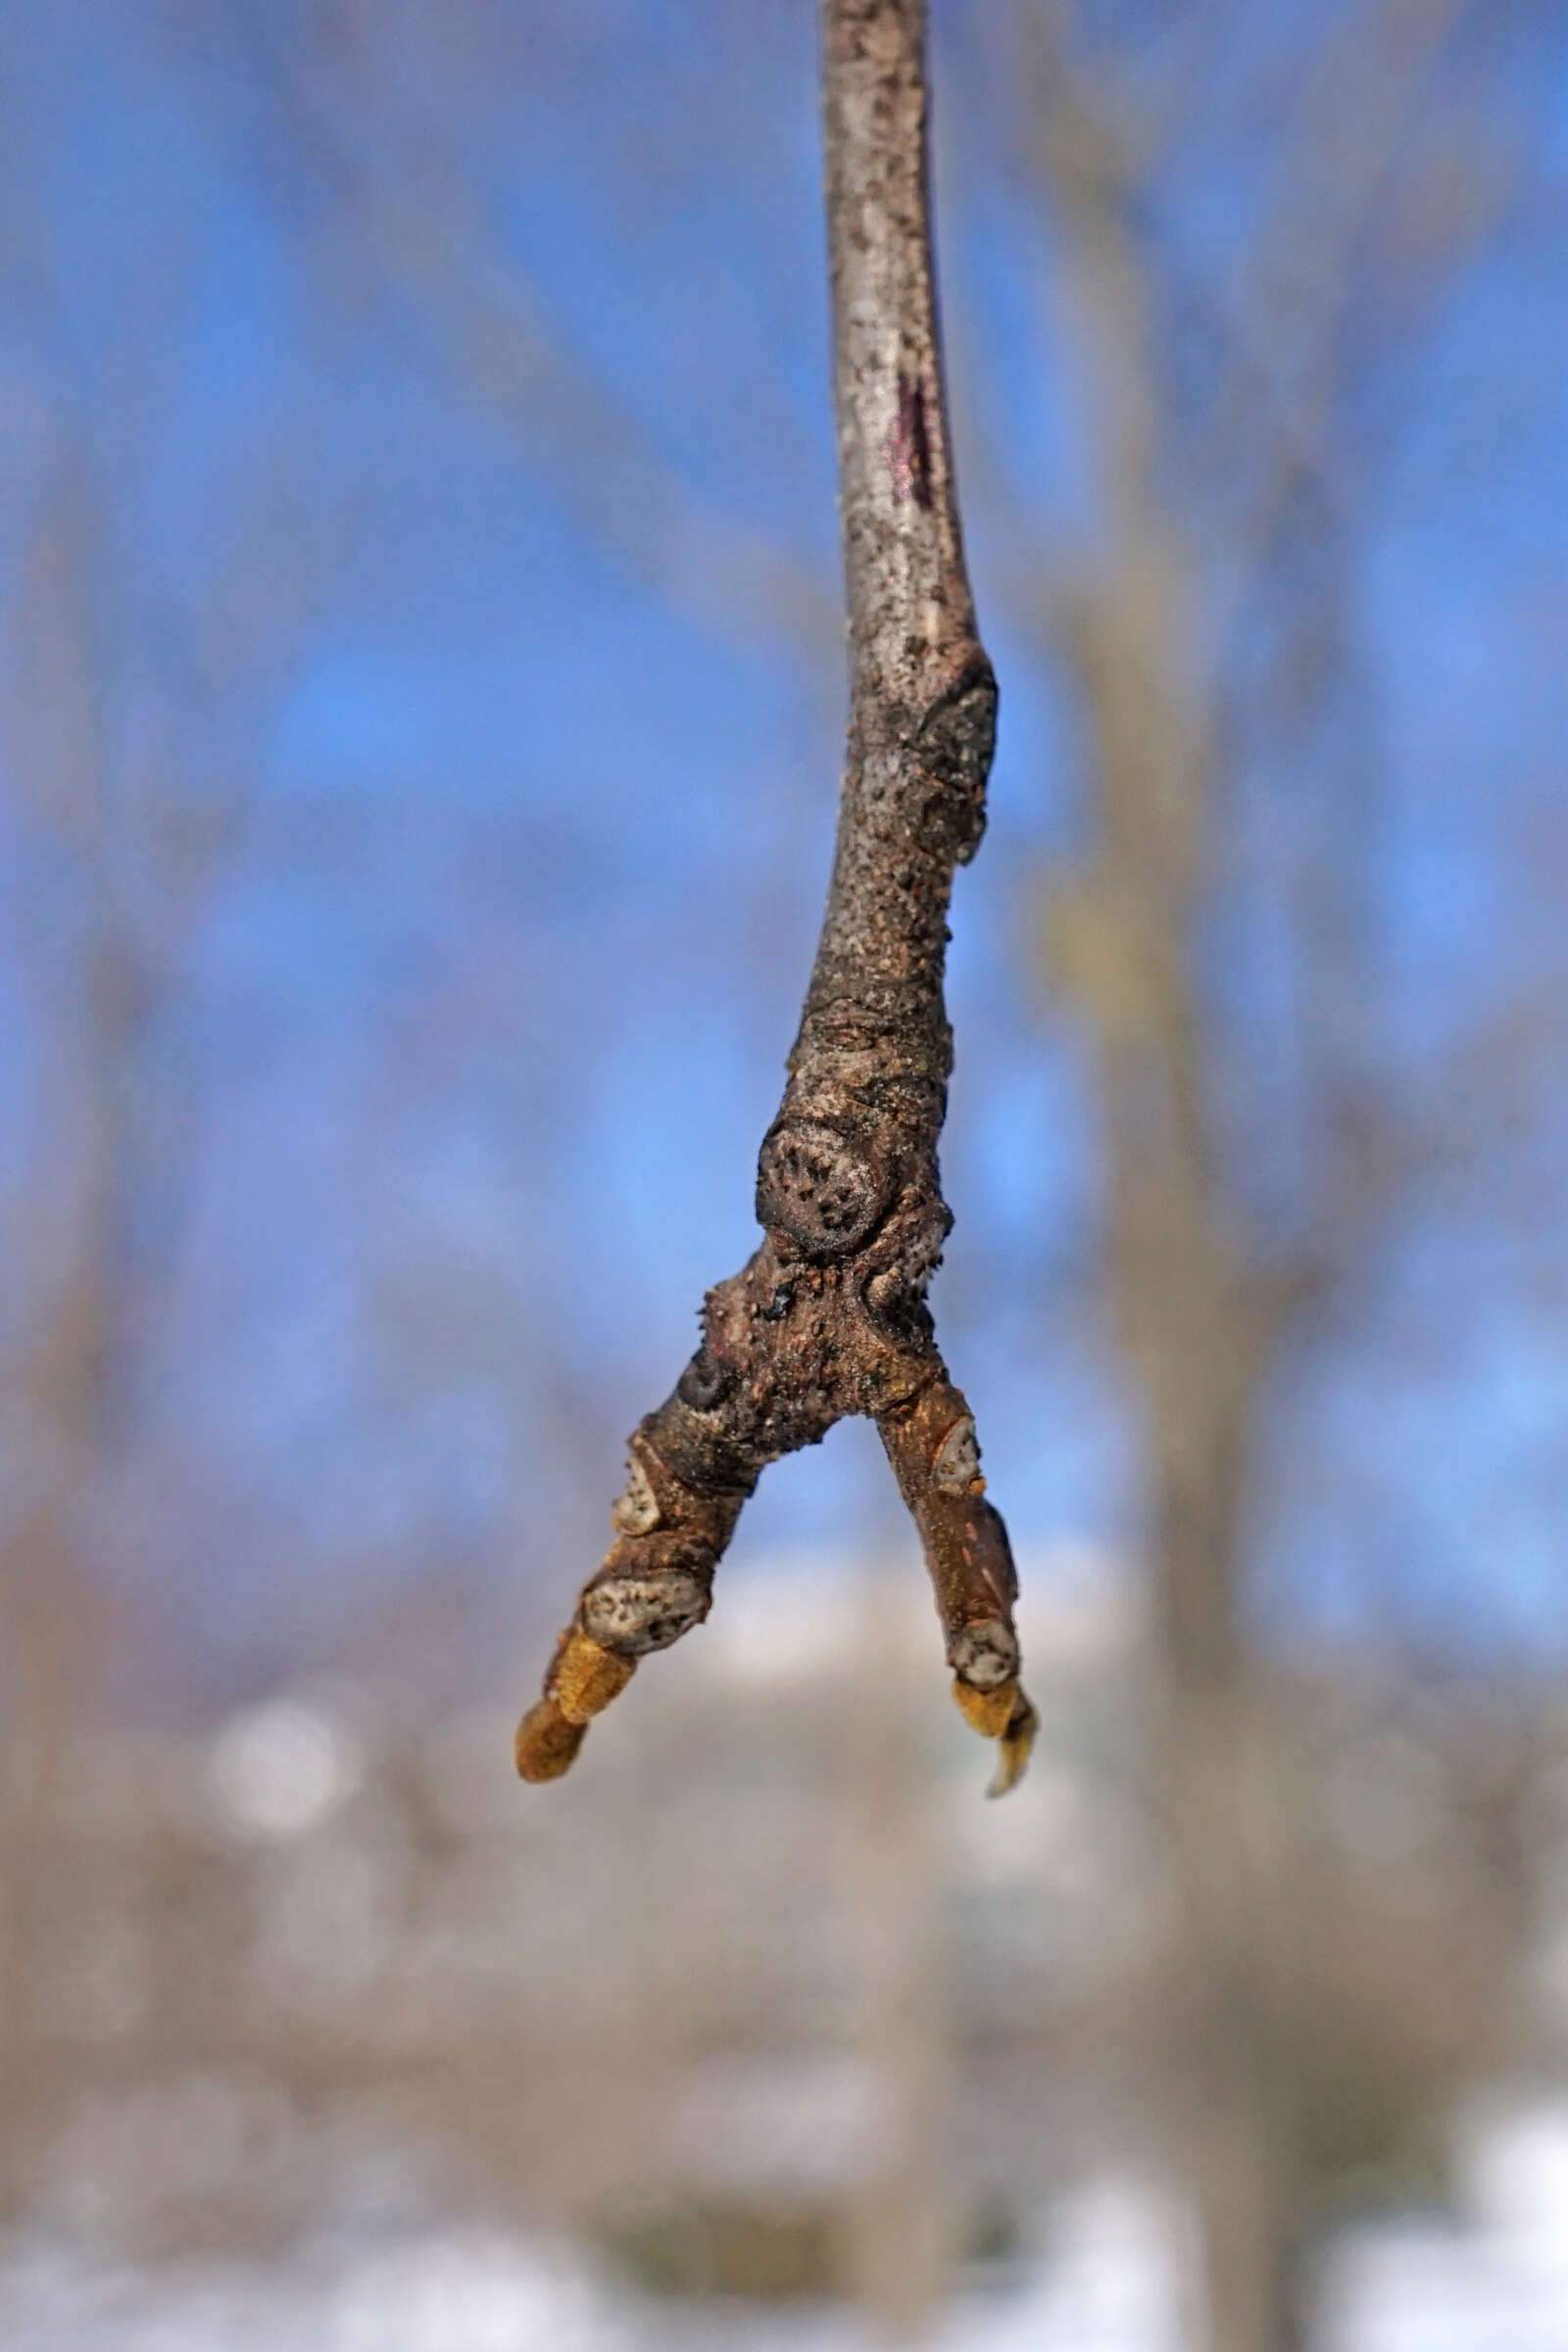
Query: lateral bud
point(956, 740)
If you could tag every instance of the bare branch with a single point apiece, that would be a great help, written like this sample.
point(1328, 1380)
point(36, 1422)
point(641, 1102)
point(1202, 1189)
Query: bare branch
point(829, 1318)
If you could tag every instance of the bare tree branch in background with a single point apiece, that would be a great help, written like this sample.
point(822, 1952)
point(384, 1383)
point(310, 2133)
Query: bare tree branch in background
point(829, 1318)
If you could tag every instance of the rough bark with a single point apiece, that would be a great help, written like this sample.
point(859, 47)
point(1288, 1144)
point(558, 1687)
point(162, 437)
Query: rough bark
point(829, 1316)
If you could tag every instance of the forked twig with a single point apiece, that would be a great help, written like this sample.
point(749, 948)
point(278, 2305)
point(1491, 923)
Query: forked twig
point(829, 1318)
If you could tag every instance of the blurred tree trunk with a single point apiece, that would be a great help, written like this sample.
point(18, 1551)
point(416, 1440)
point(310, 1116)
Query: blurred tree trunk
point(1193, 1322)
point(48, 1594)
point(52, 1604)
point(1202, 1302)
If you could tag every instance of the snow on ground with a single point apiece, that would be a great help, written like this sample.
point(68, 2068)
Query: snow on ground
point(1495, 2279)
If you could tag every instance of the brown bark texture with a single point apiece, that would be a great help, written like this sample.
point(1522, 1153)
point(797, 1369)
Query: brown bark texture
point(829, 1315)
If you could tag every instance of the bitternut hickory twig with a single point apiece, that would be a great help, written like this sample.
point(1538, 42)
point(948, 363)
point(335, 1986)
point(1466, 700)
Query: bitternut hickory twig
point(829, 1316)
